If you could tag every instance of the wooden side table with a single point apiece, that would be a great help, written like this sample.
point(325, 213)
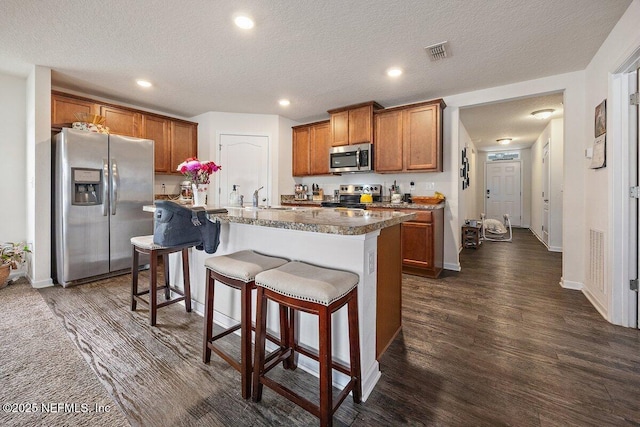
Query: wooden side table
point(471, 237)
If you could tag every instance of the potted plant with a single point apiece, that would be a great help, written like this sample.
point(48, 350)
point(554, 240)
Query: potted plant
point(12, 257)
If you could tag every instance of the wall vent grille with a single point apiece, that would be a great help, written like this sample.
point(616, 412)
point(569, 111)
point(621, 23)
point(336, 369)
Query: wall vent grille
point(438, 51)
point(596, 259)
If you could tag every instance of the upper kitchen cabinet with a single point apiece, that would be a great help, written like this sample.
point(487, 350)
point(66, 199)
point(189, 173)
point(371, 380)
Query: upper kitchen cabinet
point(409, 138)
point(157, 128)
point(64, 109)
point(174, 140)
point(311, 144)
point(352, 124)
point(184, 142)
point(121, 121)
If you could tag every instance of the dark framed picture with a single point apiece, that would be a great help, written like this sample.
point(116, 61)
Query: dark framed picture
point(601, 118)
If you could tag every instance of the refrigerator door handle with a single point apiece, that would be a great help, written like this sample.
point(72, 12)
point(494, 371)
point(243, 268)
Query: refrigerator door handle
point(115, 181)
point(105, 187)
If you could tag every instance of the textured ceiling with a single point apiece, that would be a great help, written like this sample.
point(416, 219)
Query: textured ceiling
point(510, 119)
point(321, 54)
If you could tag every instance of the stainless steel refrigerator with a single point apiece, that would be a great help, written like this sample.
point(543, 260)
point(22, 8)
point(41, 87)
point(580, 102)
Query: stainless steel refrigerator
point(101, 182)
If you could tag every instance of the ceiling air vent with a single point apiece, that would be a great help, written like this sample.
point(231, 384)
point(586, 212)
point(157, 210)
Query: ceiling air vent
point(438, 51)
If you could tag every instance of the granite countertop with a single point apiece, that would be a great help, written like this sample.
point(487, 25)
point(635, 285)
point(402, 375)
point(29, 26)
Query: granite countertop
point(374, 205)
point(317, 220)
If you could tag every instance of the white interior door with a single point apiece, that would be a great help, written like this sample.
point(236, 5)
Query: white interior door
point(502, 192)
point(545, 195)
point(635, 180)
point(245, 162)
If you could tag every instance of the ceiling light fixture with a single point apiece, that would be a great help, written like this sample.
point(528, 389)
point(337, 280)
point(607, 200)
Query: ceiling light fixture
point(394, 72)
point(143, 83)
point(244, 22)
point(543, 114)
point(284, 102)
point(504, 141)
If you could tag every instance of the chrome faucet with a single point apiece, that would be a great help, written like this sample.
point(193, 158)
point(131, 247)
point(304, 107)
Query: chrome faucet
point(255, 197)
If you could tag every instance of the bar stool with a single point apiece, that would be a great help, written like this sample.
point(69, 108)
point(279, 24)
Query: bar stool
point(316, 290)
point(237, 270)
point(145, 245)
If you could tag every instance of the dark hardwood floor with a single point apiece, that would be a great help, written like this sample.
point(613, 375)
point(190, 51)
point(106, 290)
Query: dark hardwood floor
point(499, 343)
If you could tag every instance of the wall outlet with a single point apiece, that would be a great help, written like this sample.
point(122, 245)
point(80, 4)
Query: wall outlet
point(431, 185)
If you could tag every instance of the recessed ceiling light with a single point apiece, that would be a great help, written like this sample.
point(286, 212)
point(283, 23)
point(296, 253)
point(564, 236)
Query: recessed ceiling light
point(543, 114)
point(504, 141)
point(244, 22)
point(394, 72)
point(284, 102)
point(143, 83)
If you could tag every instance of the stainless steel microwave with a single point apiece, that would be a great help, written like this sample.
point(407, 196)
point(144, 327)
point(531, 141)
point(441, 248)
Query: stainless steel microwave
point(351, 158)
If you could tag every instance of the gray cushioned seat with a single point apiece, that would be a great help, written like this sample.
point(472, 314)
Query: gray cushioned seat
point(243, 265)
point(308, 282)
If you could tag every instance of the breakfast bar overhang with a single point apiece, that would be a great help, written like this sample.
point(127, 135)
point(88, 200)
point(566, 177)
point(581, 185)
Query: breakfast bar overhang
point(366, 243)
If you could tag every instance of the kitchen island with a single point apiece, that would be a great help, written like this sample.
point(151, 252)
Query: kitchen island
point(364, 242)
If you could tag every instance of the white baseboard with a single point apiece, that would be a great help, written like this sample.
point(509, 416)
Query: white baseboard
point(40, 283)
point(554, 248)
point(568, 284)
point(595, 303)
point(451, 266)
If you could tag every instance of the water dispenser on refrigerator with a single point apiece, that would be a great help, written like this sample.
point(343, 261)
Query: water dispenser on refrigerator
point(87, 186)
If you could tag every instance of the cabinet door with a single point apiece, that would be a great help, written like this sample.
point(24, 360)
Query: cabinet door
point(417, 244)
point(360, 125)
point(301, 149)
point(157, 128)
point(320, 145)
point(184, 143)
point(121, 121)
point(63, 109)
point(340, 128)
point(388, 146)
point(422, 145)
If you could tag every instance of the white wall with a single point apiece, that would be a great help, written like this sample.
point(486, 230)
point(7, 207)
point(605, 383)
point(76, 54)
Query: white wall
point(553, 134)
point(467, 204)
point(38, 100)
point(606, 197)
point(13, 174)
point(278, 129)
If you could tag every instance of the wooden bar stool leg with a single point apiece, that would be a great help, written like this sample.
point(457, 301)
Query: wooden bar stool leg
point(165, 262)
point(134, 278)
point(208, 317)
point(245, 344)
point(261, 335)
point(186, 279)
point(325, 352)
point(153, 289)
point(354, 346)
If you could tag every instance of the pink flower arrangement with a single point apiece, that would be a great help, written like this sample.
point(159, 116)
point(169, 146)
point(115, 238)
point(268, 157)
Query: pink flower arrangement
point(196, 171)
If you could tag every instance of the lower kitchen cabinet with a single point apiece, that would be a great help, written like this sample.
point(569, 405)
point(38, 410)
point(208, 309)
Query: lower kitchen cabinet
point(423, 242)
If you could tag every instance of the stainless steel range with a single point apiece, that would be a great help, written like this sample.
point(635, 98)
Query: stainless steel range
point(349, 195)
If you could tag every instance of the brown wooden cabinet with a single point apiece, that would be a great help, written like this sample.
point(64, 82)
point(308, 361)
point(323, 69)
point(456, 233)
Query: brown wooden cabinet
point(353, 124)
point(157, 128)
point(311, 144)
point(184, 142)
point(409, 138)
point(64, 108)
point(122, 121)
point(422, 242)
point(175, 139)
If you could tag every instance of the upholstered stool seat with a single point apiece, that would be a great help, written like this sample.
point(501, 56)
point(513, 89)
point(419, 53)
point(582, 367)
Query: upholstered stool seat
point(145, 245)
point(315, 290)
point(237, 270)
